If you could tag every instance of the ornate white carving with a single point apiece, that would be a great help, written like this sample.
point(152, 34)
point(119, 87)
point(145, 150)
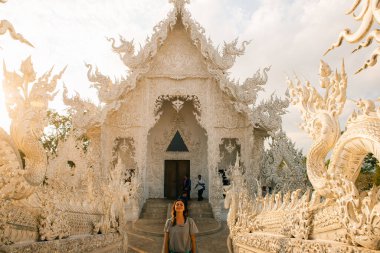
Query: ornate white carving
point(179, 4)
point(177, 103)
point(359, 215)
point(6, 26)
point(61, 196)
point(230, 147)
point(320, 119)
point(232, 200)
point(27, 108)
point(283, 168)
point(4, 226)
point(343, 215)
point(52, 223)
point(177, 82)
point(267, 115)
point(141, 63)
point(86, 117)
point(369, 14)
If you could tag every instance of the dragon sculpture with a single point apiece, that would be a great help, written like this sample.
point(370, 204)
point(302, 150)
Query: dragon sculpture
point(362, 136)
point(27, 108)
point(335, 211)
point(56, 198)
point(369, 13)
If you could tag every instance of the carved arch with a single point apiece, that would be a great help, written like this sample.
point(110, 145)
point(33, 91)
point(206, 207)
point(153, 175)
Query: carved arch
point(177, 102)
point(347, 160)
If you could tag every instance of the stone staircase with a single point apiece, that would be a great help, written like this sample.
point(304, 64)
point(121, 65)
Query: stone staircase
point(200, 210)
point(155, 209)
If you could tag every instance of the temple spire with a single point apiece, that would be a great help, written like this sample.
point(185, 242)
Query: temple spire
point(179, 4)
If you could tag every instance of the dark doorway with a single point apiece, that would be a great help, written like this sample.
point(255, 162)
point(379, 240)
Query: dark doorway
point(175, 171)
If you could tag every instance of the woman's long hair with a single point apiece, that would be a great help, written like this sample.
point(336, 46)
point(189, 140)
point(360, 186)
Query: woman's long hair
point(174, 213)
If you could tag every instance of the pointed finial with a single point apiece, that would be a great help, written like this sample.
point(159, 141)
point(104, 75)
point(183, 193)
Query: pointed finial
point(179, 4)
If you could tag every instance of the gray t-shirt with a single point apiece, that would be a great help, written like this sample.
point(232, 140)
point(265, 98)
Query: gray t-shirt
point(179, 235)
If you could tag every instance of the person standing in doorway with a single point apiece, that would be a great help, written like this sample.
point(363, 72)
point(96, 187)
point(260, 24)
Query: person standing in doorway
point(202, 184)
point(187, 186)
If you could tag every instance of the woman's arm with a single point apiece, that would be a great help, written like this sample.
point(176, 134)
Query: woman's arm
point(166, 242)
point(193, 244)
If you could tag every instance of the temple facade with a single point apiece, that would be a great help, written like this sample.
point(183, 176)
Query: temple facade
point(178, 113)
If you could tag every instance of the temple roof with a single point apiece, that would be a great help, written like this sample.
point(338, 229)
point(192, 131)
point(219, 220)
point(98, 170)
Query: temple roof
point(197, 34)
point(242, 96)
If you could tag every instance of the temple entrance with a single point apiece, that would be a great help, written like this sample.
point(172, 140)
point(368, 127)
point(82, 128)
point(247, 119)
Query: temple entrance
point(175, 171)
point(176, 139)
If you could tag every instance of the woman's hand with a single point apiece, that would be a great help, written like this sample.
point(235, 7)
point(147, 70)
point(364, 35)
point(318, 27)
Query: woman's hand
point(166, 242)
point(193, 244)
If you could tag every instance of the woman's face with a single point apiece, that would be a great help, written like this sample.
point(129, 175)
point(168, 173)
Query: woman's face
point(179, 206)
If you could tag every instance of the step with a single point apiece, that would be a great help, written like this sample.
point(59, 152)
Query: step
point(156, 204)
point(147, 216)
point(154, 210)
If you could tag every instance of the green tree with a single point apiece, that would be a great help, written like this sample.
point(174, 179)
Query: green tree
point(369, 164)
point(369, 173)
point(57, 130)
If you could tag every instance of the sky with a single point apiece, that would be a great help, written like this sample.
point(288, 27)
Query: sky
point(288, 35)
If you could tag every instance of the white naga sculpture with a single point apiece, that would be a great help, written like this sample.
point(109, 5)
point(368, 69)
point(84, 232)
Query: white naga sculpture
point(344, 220)
point(362, 136)
point(45, 196)
point(342, 215)
point(27, 108)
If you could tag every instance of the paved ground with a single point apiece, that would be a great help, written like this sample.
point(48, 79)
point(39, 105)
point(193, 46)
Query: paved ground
point(146, 243)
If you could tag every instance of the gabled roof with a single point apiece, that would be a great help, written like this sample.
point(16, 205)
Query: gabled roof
point(197, 35)
point(240, 95)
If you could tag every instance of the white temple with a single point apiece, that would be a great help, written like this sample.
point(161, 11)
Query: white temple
point(178, 113)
